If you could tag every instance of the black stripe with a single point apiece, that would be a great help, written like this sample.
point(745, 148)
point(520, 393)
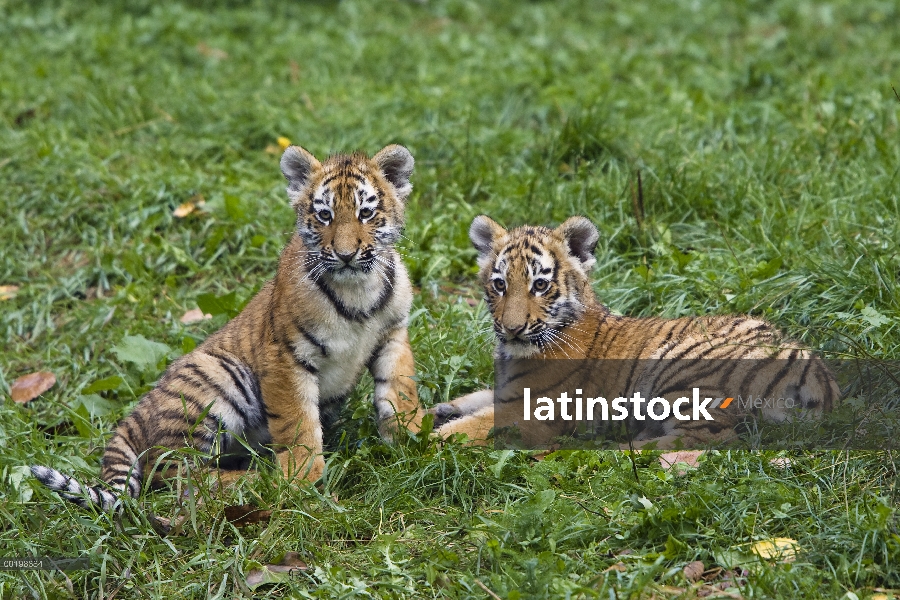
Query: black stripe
point(235, 370)
point(386, 338)
point(303, 364)
point(112, 451)
point(381, 380)
point(202, 379)
point(386, 292)
point(120, 469)
point(780, 376)
point(352, 314)
point(140, 422)
point(187, 399)
point(222, 394)
point(343, 310)
point(311, 338)
point(131, 439)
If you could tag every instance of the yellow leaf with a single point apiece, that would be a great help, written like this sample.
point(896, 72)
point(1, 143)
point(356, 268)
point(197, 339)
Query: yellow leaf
point(783, 549)
point(283, 142)
point(184, 210)
point(8, 292)
point(193, 204)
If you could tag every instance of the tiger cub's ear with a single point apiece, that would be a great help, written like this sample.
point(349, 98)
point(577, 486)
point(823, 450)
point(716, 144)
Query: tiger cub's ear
point(297, 165)
point(397, 165)
point(483, 232)
point(580, 237)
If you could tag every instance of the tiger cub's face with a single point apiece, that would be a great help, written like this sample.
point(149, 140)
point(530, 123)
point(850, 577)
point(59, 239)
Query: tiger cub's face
point(535, 281)
point(349, 208)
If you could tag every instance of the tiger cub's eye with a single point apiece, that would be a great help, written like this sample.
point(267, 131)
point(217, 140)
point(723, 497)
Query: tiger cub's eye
point(499, 285)
point(541, 285)
point(323, 215)
point(366, 213)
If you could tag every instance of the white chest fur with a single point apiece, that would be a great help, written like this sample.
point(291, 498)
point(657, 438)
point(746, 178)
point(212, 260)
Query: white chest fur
point(344, 325)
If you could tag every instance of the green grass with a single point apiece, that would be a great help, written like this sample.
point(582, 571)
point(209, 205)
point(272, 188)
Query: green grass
point(766, 137)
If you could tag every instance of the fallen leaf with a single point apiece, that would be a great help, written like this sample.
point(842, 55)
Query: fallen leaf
point(693, 571)
point(283, 142)
point(292, 559)
point(194, 315)
point(28, 387)
point(246, 514)
point(210, 52)
point(619, 566)
point(273, 149)
point(288, 567)
point(690, 458)
point(670, 590)
point(782, 462)
point(8, 292)
point(184, 210)
point(193, 204)
point(782, 549)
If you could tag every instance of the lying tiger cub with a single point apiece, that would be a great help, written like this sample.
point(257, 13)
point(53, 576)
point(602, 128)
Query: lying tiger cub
point(537, 289)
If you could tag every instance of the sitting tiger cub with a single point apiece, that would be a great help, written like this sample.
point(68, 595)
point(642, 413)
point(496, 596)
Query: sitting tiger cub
point(537, 289)
point(278, 373)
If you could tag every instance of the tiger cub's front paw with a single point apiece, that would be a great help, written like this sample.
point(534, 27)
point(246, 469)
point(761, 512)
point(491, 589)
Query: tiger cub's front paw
point(444, 413)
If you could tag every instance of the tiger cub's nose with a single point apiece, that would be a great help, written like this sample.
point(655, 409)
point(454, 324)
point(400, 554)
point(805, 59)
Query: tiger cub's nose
point(346, 258)
point(515, 330)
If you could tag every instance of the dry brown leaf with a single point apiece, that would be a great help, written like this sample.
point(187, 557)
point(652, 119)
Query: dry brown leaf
point(690, 458)
point(245, 514)
point(194, 315)
point(619, 566)
point(286, 567)
point(539, 456)
point(28, 387)
point(693, 571)
point(8, 292)
point(292, 559)
point(210, 52)
point(709, 591)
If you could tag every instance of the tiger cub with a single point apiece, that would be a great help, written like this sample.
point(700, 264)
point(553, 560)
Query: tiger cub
point(278, 373)
point(537, 288)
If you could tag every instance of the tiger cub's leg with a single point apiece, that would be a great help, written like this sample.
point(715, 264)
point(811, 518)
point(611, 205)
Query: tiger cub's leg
point(396, 399)
point(460, 407)
point(477, 425)
point(292, 402)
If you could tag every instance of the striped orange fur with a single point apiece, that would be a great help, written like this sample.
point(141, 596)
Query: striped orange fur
point(277, 374)
point(537, 288)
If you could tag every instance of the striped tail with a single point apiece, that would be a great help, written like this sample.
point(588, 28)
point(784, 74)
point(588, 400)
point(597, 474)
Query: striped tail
point(82, 495)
